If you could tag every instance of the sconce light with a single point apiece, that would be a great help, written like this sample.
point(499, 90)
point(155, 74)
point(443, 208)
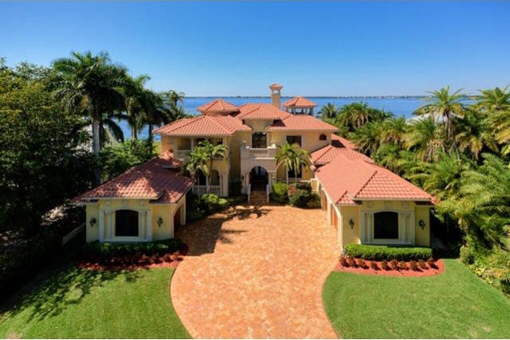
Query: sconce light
point(351, 223)
point(159, 221)
point(92, 221)
point(421, 223)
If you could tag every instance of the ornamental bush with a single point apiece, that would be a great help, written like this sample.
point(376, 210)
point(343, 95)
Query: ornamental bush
point(379, 253)
point(280, 193)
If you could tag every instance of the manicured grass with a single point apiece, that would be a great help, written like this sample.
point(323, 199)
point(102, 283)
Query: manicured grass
point(78, 303)
point(455, 304)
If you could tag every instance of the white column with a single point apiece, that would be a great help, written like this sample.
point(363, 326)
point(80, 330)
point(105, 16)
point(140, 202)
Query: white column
point(101, 225)
point(148, 219)
point(402, 227)
point(412, 228)
point(109, 224)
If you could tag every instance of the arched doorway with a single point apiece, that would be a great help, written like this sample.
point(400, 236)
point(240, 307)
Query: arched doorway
point(258, 178)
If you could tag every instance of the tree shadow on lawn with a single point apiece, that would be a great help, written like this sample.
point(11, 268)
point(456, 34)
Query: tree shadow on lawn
point(201, 236)
point(52, 291)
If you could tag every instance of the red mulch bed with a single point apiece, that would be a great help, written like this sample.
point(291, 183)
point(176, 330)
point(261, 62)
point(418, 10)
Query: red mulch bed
point(142, 264)
point(391, 272)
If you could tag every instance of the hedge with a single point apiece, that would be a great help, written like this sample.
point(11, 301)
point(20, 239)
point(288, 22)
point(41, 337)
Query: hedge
point(379, 253)
point(96, 249)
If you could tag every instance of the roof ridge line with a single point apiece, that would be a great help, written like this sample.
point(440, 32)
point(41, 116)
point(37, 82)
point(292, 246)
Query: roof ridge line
point(219, 124)
point(188, 122)
point(366, 183)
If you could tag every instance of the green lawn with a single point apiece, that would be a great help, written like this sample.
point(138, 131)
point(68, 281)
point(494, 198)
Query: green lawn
point(73, 303)
point(455, 304)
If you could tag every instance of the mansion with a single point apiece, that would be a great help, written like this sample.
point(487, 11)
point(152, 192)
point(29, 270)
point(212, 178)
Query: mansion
point(366, 203)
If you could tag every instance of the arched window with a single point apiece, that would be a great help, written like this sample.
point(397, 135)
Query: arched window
point(126, 223)
point(386, 225)
point(323, 137)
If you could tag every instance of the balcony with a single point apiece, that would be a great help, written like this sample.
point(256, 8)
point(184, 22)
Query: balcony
point(182, 154)
point(258, 153)
point(199, 190)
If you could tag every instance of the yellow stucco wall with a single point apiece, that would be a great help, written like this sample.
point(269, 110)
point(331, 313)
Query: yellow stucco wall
point(349, 235)
point(104, 213)
point(423, 235)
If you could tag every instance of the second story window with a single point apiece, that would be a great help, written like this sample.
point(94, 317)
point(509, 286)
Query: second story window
point(294, 140)
point(323, 137)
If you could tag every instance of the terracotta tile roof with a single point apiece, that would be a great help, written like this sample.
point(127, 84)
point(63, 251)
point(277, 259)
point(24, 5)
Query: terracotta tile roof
point(203, 126)
point(342, 142)
point(329, 153)
point(218, 106)
point(301, 123)
point(151, 180)
point(261, 111)
point(275, 86)
point(299, 102)
point(349, 181)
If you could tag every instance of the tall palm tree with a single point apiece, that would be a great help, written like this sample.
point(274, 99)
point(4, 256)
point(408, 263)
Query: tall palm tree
point(173, 97)
point(90, 85)
point(293, 158)
point(201, 159)
point(135, 104)
point(444, 105)
point(426, 137)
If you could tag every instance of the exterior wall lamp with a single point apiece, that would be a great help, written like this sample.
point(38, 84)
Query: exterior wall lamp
point(159, 222)
point(421, 223)
point(351, 223)
point(92, 221)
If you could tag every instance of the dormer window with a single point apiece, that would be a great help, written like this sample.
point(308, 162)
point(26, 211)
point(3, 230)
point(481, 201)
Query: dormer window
point(323, 137)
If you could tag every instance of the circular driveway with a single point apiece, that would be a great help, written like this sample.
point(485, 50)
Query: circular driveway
point(256, 273)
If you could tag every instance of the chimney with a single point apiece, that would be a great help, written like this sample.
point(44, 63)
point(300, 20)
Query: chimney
point(275, 94)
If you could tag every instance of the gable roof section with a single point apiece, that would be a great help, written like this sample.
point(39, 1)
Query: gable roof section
point(301, 123)
point(151, 180)
point(203, 126)
point(349, 181)
point(261, 111)
point(218, 106)
point(299, 102)
point(329, 153)
point(338, 141)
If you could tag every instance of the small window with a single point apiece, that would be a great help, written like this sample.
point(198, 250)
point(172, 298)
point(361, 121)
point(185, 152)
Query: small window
point(386, 225)
point(323, 137)
point(126, 223)
point(294, 140)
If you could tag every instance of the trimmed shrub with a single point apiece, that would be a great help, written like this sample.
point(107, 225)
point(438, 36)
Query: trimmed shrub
point(213, 203)
point(379, 253)
point(111, 252)
point(280, 192)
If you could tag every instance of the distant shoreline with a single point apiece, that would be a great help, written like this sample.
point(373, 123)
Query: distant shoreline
point(467, 97)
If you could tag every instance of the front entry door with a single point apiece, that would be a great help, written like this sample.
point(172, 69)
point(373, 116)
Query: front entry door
point(259, 140)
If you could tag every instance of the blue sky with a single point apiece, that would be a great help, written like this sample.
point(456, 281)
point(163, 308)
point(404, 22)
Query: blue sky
point(233, 48)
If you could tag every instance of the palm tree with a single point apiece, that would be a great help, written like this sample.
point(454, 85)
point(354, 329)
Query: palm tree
point(328, 111)
point(494, 99)
point(394, 130)
point(473, 135)
point(173, 97)
point(444, 105)
point(91, 86)
point(368, 137)
point(426, 137)
point(496, 104)
point(355, 115)
point(293, 158)
point(201, 159)
point(135, 105)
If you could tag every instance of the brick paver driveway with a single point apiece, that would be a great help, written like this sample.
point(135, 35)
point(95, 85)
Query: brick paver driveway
point(256, 274)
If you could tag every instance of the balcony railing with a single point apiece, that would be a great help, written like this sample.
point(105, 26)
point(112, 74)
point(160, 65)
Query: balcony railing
point(182, 154)
point(258, 153)
point(199, 190)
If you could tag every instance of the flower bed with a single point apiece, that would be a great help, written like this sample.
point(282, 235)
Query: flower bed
point(390, 268)
point(105, 256)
